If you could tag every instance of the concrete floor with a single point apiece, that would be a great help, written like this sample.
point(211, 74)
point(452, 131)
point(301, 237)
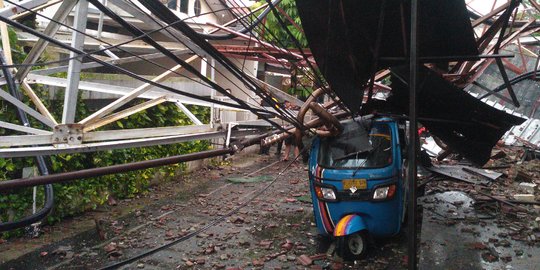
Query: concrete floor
point(271, 232)
point(455, 236)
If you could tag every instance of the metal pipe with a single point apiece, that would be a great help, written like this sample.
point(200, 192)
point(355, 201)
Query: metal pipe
point(331, 122)
point(303, 110)
point(413, 135)
point(275, 136)
point(42, 165)
point(305, 107)
point(247, 29)
point(213, 91)
point(69, 176)
point(100, 22)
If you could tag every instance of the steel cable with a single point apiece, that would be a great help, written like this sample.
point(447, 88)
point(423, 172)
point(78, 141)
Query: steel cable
point(42, 165)
point(181, 25)
point(202, 58)
point(267, 30)
point(312, 76)
point(144, 35)
point(117, 46)
point(119, 69)
point(167, 16)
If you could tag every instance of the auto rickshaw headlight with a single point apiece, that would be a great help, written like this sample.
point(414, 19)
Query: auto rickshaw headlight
point(328, 193)
point(386, 192)
point(325, 193)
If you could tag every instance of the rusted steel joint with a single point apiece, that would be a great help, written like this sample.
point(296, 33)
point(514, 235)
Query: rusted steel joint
point(274, 138)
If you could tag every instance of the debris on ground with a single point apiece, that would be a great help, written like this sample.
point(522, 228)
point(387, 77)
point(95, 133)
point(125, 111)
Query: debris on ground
point(501, 212)
point(276, 230)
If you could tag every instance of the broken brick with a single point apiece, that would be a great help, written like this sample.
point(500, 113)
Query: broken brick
point(488, 257)
point(317, 257)
point(258, 262)
point(304, 260)
point(478, 246)
point(110, 247)
point(266, 244)
point(524, 197)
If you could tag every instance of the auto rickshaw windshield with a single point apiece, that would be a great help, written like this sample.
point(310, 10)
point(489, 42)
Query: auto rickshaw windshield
point(356, 148)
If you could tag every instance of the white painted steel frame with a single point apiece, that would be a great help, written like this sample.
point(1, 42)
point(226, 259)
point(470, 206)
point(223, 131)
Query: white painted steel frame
point(29, 4)
point(100, 140)
point(29, 130)
point(9, 98)
point(74, 69)
point(61, 14)
point(100, 136)
point(110, 145)
point(124, 60)
point(133, 94)
point(122, 90)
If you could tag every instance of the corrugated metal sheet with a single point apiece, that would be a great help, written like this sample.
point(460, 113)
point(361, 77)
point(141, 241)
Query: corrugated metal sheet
point(528, 131)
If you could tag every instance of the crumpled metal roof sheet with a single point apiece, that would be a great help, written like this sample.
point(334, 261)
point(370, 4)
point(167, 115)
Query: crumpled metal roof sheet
point(343, 38)
point(466, 124)
point(528, 131)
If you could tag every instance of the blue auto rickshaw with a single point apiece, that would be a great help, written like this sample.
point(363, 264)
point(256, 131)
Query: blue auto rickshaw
point(357, 183)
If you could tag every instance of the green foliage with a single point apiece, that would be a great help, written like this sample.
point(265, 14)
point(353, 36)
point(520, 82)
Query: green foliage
point(277, 34)
point(300, 92)
point(17, 51)
point(78, 196)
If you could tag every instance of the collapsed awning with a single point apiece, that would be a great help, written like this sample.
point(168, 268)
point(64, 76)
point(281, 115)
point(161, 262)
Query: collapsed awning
point(353, 39)
point(466, 124)
point(343, 37)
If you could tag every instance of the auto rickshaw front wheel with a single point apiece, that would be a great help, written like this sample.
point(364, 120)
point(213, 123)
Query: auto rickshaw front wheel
point(354, 246)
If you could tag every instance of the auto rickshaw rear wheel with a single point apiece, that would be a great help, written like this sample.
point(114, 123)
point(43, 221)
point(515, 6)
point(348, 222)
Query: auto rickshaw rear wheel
point(354, 246)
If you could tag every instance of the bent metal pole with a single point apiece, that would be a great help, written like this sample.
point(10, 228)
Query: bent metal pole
point(69, 176)
point(413, 134)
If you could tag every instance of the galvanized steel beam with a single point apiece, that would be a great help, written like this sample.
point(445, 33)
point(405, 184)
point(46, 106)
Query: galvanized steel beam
point(61, 14)
point(122, 90)
point(133, 94)
point(20, 128)
point(100, 146)
point(74, 70)
point(13, 10)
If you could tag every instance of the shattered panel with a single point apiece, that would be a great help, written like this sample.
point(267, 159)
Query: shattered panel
point(343, 35)
point(466, 173)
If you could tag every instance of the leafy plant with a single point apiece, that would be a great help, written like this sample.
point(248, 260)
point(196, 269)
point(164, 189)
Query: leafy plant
point(274, 31)
point(78, 196)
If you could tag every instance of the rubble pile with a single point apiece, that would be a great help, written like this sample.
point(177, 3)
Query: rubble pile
point(510, 201)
